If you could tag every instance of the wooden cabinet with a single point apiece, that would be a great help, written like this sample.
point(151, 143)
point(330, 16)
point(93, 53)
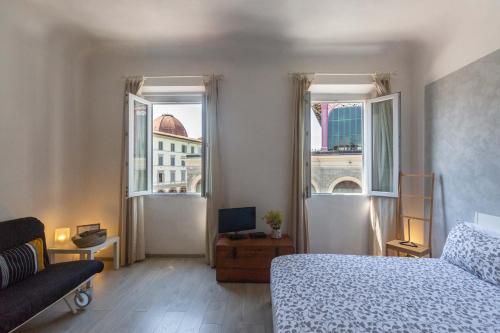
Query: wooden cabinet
point(248, 260)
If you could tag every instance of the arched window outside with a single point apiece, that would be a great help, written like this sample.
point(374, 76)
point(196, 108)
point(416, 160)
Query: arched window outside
point(347, 186)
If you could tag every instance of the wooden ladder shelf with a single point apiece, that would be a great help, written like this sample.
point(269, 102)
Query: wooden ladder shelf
point(400, 245)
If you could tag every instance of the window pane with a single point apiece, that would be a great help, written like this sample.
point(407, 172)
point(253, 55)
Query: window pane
point(179, 126)
point(382, 146)
point(140, 147)
point(337, 164)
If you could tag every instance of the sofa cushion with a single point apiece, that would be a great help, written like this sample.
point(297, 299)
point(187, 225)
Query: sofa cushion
point(20, 262)
point(20, 231)
point(24, 299)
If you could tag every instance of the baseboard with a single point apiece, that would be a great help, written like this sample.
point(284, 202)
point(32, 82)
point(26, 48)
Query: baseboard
point(155, 255)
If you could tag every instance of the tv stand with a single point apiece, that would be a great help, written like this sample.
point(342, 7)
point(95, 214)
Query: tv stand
point(236, 236)
point(248, 260)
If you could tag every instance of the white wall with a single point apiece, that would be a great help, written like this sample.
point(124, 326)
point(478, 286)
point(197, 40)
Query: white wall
point(255, 134)
point(339, 224)
point(42, 82)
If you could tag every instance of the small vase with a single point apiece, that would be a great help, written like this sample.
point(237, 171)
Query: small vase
point(276, 234)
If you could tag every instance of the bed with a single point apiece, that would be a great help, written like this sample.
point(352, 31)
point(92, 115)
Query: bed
point(460, 292)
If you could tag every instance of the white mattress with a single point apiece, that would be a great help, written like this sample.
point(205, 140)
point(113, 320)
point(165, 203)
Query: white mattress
point(340, 293)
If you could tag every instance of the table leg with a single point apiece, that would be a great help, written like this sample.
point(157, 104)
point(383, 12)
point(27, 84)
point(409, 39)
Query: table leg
point(116, 255)
point(90, 256)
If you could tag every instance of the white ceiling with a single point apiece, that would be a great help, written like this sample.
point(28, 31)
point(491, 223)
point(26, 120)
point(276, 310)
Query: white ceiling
point(267, 21)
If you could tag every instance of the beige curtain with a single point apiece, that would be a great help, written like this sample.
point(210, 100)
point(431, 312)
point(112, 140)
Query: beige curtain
point(131, 231)
point(382, 209)
point(298, 223)
point(213, 184)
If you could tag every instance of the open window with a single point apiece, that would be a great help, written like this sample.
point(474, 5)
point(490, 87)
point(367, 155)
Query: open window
point(166, 142)
point(139, 146)
point(382, 141)
point(352, 144)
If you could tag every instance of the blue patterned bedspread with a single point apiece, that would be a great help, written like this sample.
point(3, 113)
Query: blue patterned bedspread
point(343, 293)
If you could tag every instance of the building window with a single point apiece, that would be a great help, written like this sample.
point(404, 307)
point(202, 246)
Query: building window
point(165, 127)
point(347, 186)
point(192, 149)
point(342, 154)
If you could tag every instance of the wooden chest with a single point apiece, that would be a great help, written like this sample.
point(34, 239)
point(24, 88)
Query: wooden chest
point(248, 260)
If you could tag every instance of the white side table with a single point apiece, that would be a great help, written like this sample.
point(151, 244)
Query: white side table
point(88, 253)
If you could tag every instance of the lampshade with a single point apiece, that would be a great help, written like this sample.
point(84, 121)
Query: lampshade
point(61, 236)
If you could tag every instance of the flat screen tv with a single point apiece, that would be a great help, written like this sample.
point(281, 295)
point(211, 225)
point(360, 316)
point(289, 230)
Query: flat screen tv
point(236, 219)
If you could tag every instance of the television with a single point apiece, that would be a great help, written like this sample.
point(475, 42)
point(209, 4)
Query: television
point(236, 219)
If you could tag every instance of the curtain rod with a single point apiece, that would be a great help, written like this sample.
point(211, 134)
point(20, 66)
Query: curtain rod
point(176, 76)
point(341, 74)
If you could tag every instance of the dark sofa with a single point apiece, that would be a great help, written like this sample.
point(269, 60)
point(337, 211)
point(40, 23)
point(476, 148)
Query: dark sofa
point(23, 300)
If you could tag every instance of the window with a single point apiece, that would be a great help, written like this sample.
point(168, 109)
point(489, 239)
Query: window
point(383, 143)
point(139, 146)
point(336, 145)
point(354, 145)
point(178, 124)
point(192, 149)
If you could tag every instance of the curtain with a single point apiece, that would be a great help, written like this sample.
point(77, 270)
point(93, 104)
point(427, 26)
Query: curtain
point(131, 229)
point(382, 209)
point(298, 224)
point(213, 182)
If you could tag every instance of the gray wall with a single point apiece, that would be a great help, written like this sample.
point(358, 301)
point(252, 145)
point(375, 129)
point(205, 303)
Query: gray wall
point(463, 144)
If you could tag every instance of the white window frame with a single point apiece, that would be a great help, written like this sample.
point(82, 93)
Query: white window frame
point(367, 144)
point(367, 150)
point(131, 141)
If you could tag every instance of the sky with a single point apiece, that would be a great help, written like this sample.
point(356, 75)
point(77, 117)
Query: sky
point(188, 114)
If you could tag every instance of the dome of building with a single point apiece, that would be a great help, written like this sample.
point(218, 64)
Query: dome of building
point(167, 123)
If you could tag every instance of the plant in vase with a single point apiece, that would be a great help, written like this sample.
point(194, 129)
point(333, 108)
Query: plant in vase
point(274, 219)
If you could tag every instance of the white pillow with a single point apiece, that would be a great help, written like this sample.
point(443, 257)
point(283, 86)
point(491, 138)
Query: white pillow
point(484, 230)
point(488, 223)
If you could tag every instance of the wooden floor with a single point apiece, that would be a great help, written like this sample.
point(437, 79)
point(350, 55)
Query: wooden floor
point(163, 296)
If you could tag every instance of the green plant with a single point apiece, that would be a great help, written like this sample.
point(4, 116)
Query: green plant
point(273, 218)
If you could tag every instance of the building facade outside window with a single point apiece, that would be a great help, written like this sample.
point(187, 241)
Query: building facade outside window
point(161, 177)
point(172, 160)
point(183, 175)
point(336, 147)
point(184, 148)
point(172, 147)
point(160, 145)
point(160, 159)
point(192, 149)
point(172, 176)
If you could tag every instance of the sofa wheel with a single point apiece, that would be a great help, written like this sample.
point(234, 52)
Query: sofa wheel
point(82, 299)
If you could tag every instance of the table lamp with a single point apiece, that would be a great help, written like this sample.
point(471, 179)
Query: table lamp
point(61, 236)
